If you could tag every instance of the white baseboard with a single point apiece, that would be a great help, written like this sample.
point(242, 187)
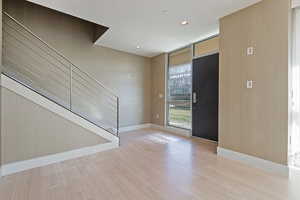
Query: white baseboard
point(51, 159)
point(255, 162)
point(29, 94)
point(135, 127)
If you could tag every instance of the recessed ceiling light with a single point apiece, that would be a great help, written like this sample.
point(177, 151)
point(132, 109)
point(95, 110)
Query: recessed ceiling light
point(138, 47)
point(184, 22)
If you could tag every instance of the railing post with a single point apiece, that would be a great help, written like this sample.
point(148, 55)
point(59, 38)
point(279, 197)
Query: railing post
point(71, 85)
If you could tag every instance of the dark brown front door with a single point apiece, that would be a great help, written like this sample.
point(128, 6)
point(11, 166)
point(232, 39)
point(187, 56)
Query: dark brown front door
point(206, 97)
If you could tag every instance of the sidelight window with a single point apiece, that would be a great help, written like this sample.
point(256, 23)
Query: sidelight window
point(180, 89)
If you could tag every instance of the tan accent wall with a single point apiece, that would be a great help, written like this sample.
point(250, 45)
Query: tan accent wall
point(158, 89)
point(128, 75)
point(30, 131)
point(206, 47)
point(255, 121)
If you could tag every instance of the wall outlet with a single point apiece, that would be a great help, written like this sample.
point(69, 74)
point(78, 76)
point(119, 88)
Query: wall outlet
point(157, 116)
point(160, 95)
point(250, 51)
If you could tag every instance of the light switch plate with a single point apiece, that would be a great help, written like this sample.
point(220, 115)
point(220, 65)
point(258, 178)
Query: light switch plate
point(250, 51)
point(249, 84)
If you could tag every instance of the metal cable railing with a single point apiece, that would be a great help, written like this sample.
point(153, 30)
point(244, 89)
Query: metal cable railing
point(34, 63)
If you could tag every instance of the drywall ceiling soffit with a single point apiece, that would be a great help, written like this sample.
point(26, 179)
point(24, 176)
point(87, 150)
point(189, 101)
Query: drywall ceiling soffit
point(154, 26)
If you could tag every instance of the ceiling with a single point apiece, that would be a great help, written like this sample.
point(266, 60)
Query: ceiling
point(154, 25)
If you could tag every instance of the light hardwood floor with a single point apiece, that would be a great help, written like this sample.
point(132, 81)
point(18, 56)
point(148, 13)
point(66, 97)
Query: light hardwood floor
point(150, 165)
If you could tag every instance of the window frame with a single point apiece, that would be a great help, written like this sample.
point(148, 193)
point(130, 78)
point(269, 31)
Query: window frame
point(167, 104)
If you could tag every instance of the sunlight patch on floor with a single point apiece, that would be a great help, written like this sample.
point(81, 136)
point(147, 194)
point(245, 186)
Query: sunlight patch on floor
point(162, 139)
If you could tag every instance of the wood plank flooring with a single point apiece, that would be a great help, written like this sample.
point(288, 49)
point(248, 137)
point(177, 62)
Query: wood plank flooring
point(150, 165)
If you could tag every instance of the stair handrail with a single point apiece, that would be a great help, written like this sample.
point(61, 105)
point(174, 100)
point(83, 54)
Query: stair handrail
point(72, 66)
point(60, 54)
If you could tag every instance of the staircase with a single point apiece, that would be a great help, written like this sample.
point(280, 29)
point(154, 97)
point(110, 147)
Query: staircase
point(35, 64)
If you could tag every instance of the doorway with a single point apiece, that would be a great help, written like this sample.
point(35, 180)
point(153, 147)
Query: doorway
point(205, 97)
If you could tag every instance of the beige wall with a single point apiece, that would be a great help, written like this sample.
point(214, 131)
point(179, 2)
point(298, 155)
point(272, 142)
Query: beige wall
point(158, 89)
point(255, 121)
point(30, 131)
point(129, 76)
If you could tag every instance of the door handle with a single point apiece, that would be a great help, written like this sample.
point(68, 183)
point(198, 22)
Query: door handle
point(194, 97)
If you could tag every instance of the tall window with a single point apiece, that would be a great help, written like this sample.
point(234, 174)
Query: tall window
point(295, 133)
point(180, 89)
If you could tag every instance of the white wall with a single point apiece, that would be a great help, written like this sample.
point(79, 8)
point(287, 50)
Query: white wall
point(295, 127)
